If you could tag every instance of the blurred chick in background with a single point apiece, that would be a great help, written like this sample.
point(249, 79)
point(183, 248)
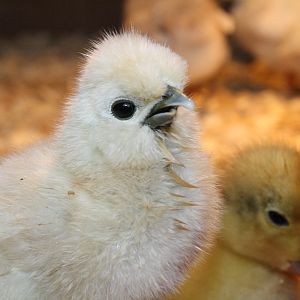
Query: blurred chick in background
point(258, 252)
point(196, 29)
point(270, 30)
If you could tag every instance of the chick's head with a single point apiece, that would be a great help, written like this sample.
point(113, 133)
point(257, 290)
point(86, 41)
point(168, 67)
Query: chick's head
point(129, 92)
point(261, 187)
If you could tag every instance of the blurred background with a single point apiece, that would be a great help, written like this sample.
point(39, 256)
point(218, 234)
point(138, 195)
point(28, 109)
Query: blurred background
point(244, 58)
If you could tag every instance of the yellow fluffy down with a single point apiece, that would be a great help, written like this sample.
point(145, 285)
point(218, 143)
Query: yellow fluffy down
point(259, 245)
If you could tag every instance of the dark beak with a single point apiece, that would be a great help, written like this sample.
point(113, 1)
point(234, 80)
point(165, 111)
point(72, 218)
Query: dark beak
point(295, 267)
point(163, 112)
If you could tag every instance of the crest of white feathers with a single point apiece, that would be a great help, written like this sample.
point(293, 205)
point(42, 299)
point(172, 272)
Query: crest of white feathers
point(109, 208)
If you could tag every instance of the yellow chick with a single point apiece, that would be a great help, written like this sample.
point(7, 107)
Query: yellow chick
point(270, 30)
point(260, 240)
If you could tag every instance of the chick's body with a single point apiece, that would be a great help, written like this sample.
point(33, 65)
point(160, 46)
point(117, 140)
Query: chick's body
point(102, 210)
point(235, 277)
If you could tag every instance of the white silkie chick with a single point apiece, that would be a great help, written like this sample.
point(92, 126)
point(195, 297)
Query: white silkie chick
point(119, 202)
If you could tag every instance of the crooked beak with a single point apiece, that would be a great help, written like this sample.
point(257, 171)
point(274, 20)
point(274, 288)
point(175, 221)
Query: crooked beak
point(162, 113)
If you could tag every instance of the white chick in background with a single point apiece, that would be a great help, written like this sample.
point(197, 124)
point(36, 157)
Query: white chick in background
point(196, 29)
point(118, 203)
point(270, 30)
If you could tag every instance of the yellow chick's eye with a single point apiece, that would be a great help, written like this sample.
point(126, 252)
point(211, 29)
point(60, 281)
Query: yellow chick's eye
point(277, 218)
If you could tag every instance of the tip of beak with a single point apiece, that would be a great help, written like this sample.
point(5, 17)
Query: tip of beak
point(180, 99)
point(190, 105)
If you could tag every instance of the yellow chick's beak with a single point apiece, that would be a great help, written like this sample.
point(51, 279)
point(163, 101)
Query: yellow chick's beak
point(163, 112)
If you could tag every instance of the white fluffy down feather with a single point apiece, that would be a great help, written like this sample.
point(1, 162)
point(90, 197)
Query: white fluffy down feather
point(109, 207)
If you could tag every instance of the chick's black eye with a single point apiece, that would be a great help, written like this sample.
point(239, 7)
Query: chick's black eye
point(123, 109)
point(277, 218)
